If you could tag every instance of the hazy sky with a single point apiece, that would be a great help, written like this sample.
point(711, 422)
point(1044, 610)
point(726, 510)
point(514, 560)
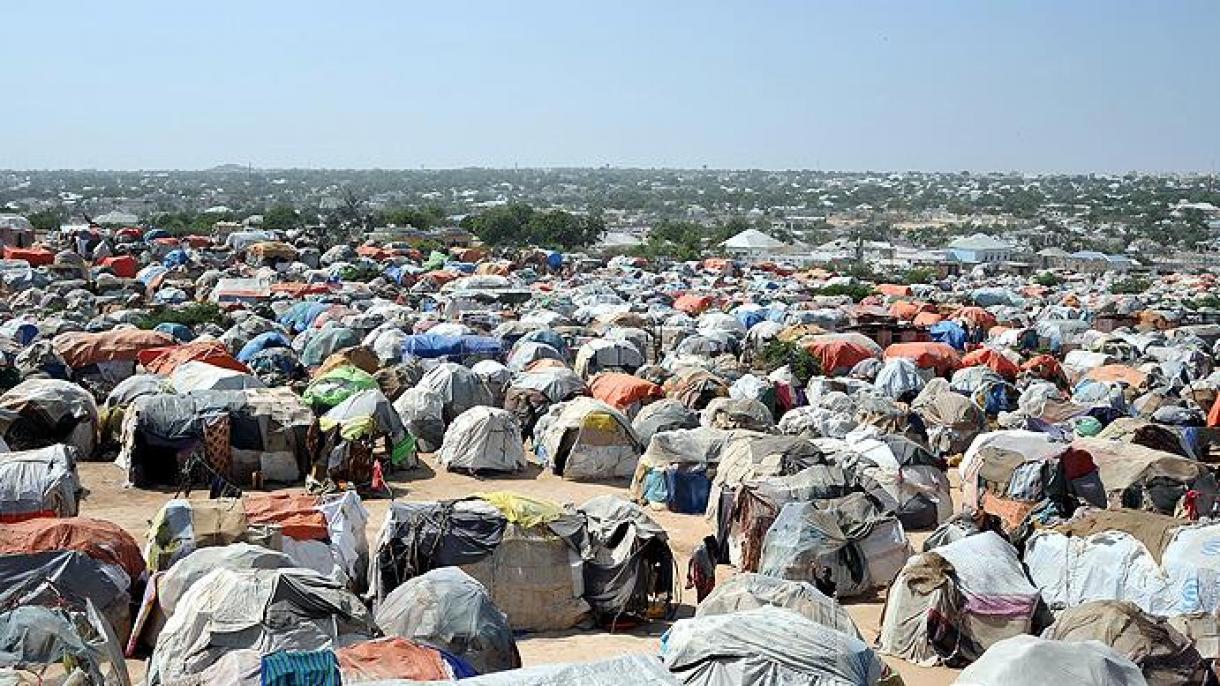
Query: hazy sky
point(1060, 85)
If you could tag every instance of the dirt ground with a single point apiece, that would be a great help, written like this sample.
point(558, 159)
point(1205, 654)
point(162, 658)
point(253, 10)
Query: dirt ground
point(133, 508)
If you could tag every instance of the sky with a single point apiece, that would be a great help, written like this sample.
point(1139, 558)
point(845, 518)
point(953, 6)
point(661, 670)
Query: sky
point(1032, 85)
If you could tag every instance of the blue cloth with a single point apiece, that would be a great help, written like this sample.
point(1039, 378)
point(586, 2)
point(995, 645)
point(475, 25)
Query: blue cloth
point(433, 346)
point(548, 337)
point(655, 489)
point(461, 668)
point(302, 315)
point(261, 342)
point(181, 332)
point(688, 489)
point(176, 258)
point(554, 260)
point(154, 234)
point(312, 668)
point(949, 333)
point(749, 318)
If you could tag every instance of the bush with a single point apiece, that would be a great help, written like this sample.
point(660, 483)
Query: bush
point(190, 314)
point(779, 353)
point(1130, 286)
point(1047, 279)
point(856, 291)
point(919, 275)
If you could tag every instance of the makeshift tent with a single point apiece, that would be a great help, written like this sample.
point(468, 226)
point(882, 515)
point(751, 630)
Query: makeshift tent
point(587, 439)
point(348, 433)
point(483, 439)
point(949, 605)
point(663, 415)
point(528, 554)
point(909, 476)
point(677, 468)
point(39, 483)
point(1164, 656)
point(630, 576)
point(103, 541)
point(746, 591)
point(848, 541)
point(67, 578)
point(38, 413)
point(333, 387)
point(57, 644)
point(447, 609)
point(768, 646)
point(80, 349)
point(201, 376)
point(952, 419)
point(1032, 661)
point(937, 357)
point(601, 355)
point(261, 609)
point(624, 392)
point(838, 353)
point(227, 434)
point(1139, 477)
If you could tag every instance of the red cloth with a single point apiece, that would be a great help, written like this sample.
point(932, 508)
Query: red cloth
point(994, 360)
point(620, 391)
point(693, 304)
point(101, 540)
point(936, 356)
point(123, 266)
point(37, 257)
point(1213, 415)
point(165, 359)
point(296, 513)
point(838, 356)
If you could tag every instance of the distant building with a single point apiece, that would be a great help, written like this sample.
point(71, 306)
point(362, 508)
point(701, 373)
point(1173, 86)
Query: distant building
point(981, 248)
point(1053, 258)
point(1095, 262)
point(116, 218)
point(753, 244)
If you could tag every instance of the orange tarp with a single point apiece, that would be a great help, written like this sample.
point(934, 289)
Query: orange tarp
point(297, 514)
point(124, 266)
point(390, 658)
point(622, 390)
point(197, 241)
point(976, 317)
point(994, 360)
point(37, 257)
point(892, 289)
point(838, 353)
point(926, 319)
point(907, 309)
point(1117, 372)
point(166, 359)
point(297, 289)
point(103, 541)
point(936, 356)
point(693, 304)
point(80, 349)
point(1045, 367)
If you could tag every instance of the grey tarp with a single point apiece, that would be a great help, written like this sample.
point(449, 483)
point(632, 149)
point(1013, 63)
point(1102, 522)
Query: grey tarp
point(267, 610)
point(1030, 661)
point(40, 412)
point(662, 415)
point(768, 646)
point(53, 576)
point(483, 439)
point(746, 591)
point(631, 564)
point(33, 637)
point(447, 609)
point(39, 482)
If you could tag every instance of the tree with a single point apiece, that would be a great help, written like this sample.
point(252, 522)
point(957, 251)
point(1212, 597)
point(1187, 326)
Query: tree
point(47, 221)
point(281, 218)
point(421, 218)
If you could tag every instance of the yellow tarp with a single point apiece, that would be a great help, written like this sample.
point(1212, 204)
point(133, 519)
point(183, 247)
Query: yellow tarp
point(521, 510)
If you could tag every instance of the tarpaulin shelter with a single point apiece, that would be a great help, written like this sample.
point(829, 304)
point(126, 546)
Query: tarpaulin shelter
point(838, 353)
point(102, 541)
point(1164, 656)
point(952, 419)
point(629, 577)
point(483, 439)
point(528, 554)
point(164, 360)
point(39, 483)
point(123, 266)
point(1138, 477)
point(1032, 661)
point(949, 605)
point(767, 646)
point(249, 609)
point(80, 349)
point(36, 256)
point(232, 433)
point(912, 477)
point(585, 438)
point(52, 641)
point(623, 392)
point(333, 387)
point(938, 357)
point(994, 360)
point(747, 591)
point(348, 433)
point(37, 413)
point(201, 376)
point(67, 578)
point(600, 355)
point(448, 609)
point(848, 540)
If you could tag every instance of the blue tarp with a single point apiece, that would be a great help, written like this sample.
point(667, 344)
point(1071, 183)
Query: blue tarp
point(548, 337)
point(301, 315)
point(154, 234)
point(431, 346)
point(949, 333)
point(261, 342)
point(554, 260)
point(181, 332)
point(176, 258)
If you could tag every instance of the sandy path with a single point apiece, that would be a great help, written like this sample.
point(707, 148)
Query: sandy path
point(133, 508)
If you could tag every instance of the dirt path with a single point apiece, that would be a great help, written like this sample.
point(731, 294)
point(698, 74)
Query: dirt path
point(133, 508)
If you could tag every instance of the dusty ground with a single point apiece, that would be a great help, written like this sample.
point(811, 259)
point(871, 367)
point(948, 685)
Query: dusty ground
point(132, 509)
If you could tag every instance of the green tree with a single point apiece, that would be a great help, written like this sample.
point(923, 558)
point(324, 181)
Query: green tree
point(281, 218)
point(46, 221)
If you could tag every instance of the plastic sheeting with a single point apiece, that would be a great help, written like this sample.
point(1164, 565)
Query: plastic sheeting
point(1031, 661)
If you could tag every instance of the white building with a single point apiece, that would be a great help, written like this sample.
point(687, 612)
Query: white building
point(754, 245)
point(981, 248)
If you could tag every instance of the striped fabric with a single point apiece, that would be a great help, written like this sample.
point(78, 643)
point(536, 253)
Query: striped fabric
point(313, 668)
